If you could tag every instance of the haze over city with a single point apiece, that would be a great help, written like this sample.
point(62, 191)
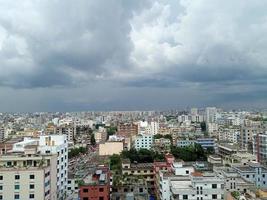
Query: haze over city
point(132, 55)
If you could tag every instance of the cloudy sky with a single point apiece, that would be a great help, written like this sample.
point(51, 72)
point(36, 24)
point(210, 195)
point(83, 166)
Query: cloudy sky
point(132, 54)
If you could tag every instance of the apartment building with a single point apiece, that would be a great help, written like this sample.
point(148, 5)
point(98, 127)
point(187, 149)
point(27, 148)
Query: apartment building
point(96, 185)
point(198, 186)
point(143, 141)
point(66, 129)
point(28, 174)
point(254, 172)
point(54, 145)
point(144, 170)
point(127, 129)
point(246, 134)
point(260, 147)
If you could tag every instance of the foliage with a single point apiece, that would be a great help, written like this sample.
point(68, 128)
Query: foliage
point(189, 153)
point(75, 152)
point(115, 162)
point(111, 130)
point(235, 194)
point(168, 136)
point(142, 156)
point(93, 142)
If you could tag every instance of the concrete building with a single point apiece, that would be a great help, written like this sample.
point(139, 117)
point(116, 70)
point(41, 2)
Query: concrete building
point(100, 135)
point(143, 170)
point(110, 148)
point(96, 185)
point(185, 143)
point(197, 186)
point(246, 135)
point(239, 158)
point(57, 144)
point(143, 141)
point(68, 130)
point(28, 174)
point(254, 172)
point(2, 134)
point(154, 128)
point(211, 114)
point(127, 129)
point(260, 147)
point(206, 142)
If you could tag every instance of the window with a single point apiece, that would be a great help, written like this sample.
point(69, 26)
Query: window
point(16, 196)
point(1, 178)
point(1, 197)
point(31, 196)
point(31, 176)
point(214, 186)
point(214, 196)
point(16, 187)
point(187, 171)
point(101, 198)
point(263, 175)
point(1, 187)
point(85, 198)
point(101, 189)
point(31, 186)
point(185, 196)
point(17, 177)
point(85, 190)
point(247, 175)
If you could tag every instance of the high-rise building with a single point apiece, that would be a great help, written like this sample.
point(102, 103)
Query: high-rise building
point(260, 147)
point(51, 145)
point(211, 114)
point(27, 173)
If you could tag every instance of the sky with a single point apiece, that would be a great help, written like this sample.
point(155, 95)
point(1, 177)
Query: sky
point(132, 54)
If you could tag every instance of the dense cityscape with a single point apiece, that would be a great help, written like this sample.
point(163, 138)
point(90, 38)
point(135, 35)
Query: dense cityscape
point(205, 153)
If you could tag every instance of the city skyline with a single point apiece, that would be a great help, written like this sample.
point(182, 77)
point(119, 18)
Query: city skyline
point(125, 55)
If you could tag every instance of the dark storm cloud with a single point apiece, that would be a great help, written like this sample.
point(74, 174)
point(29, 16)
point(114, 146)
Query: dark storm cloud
point(202, 50)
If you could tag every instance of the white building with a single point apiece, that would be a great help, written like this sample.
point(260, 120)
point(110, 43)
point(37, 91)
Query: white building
point(143, 141)
point(198, 186)
point(52, 145)
point(211, 114)
point(154, 128)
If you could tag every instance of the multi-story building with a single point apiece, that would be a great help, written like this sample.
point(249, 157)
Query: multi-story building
point(144, 170)
point(127, 129)
point(254, 172)
point(96, 185)
point(143, 141)
point(206, 142)
point(185, 143)
point(68, 130)
point(57, 144)
point(260, 147)
point(197, 186)
point(211, 114)
point(2, 134)
point(154, 128)
point(100, 135)
point(246, 134)
point(28, 174)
